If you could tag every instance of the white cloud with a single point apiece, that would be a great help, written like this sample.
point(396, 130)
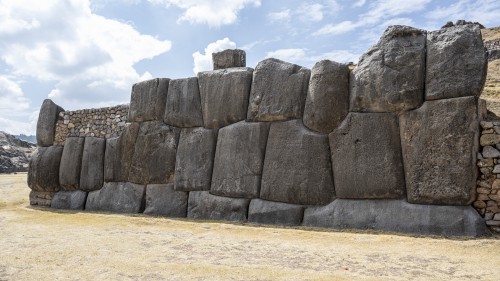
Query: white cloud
point(290, 55)
point(279, 16)
point(483, 11)
point(303, 57)
point(311, 12)
point(203, 62)
point(334, 29)
point(307, 12)
point(359, 3)
point(14, 105)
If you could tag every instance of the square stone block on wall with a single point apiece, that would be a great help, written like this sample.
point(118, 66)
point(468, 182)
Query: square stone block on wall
point(163, 200)
point(183, 107)
point(203, 205)
point(148, 99)
point(92, 172)
point(43, 173)
point(71, 163)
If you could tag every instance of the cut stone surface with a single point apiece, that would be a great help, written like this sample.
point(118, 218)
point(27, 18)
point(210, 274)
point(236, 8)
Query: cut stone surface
point(148, 99)
point(154, 155)
point(297, 167)
point(327, 102)
point(71, 200)
point(111, 160)
point(278, 92)
point(490, 152)
point(118, 197)
point(366, 157)
point(456, 62)
point(203, 205)
point(125, 152)
point(239, 160)
point(224, 95)
point(41, 198)
point(439, 142)
point(268, 212)
point(229, 58)
point(92, 173)
point(71, 163)
point(390, 76)
point(46, 125)
point(195, 159)
point(43, 173)
point(183, 107)
point(163, 200)
point(397, 215)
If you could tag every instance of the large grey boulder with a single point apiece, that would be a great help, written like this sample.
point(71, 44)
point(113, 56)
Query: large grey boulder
point(203, 205)
point(398, 216)
point(92, 172)
point(163, 200)
point(268, 212)
point(111, 160)
point(229, 58)
point(154, 154)
point(224, 95)
point(297, 167)
point(366, 157)
point(125, 152)
point(183, 107)
point(118, 197)
point(239, 159)
point(148, 99)
point(456, 62)
point(46, 124)
point(327, 101)
point(71, 163)
point(278, 92)
point(390, 76)
point(440, 143)
point(43, 173)
point(195, 159)
point(71, 200)
point(41, 198)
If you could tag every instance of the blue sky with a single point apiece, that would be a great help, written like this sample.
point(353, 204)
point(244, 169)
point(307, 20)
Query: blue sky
point(88, 53)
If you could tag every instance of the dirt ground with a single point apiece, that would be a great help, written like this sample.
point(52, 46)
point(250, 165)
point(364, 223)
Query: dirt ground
point(43, 244)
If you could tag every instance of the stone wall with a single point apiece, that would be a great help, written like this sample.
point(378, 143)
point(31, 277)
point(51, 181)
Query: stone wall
point(390, 145)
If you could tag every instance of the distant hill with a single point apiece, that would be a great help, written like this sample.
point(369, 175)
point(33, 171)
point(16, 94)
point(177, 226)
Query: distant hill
point(30, 138)
point(14, 153)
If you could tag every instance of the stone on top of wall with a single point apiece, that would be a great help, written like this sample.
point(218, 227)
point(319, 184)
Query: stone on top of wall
point(46, 125)
point(229, 58)
point(183, 107)
point(203, 205)
point(92, 172)
point(163, 200)
point(43, 173)
point(71, 163)
point(148, 100)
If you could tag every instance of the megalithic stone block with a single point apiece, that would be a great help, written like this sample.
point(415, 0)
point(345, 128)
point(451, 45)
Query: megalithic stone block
point(118, 197)
point(92, 172)
point(267, 212)
point(183, 107)
point(195, 159)
point(126, 149)
point(203, 205)
point(71, 163)
point(163, 200)
point(456, 62)
point(278, 92)
point(71, 200)
point(111, 160)
point(297, 166)
point(46, 125)
point(224, 95)
point(440, 143)
point(390, 76)
point(148, 99)
point(239, 160)
point(327, 102)
point(41, 198)
point(43, 173)
point(366, 157)
point(229, 58)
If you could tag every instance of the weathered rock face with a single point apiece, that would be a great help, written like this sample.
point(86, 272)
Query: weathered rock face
point(297, 167)
point(46, 125)
point(14, 153)
point(183, 107)
point(229, 58)
point(111, 160)
point(71, 200)
point(148, 99)
point(239, 160)
point(390, 76)
point(126, 148)
point(278, 92)
point(203, 205)
point(366, 157)
point(195, 159)
point(71, 163)
point(456, 62)
point(267, 212)
point(92, 172)
point(327, 101)
point(440, 142)
point(43, 172)
point(41, 198)
point(119, 197)
point(163, 200)
point(154, 154)
point(224, 95)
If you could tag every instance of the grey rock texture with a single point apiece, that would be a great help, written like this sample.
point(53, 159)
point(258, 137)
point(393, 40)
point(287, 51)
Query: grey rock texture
point(41, 198)
point(71, 163)
point(195, 159)
point(111, 160)
point(397, 215)
point(43, 174)
point(268, 212)
point(14, 153)
point(118, 197)
point(224, 95)
point(163, 200)
point(327, 102)
point(92, 172)
point(297, 167)
point(46, 125)
point(229, 58)
point(278, 92)
point(148, 99)
point(203, 205)
point(71, 200)
point(239, 160)
point(390, 76)
point(154, 154)
point(456, 62)
point(125, 153)
point(183, 107)
point(440, 144)
point(366, 157)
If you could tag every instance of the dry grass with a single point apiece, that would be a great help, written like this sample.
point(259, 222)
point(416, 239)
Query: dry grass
point(490, 33)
